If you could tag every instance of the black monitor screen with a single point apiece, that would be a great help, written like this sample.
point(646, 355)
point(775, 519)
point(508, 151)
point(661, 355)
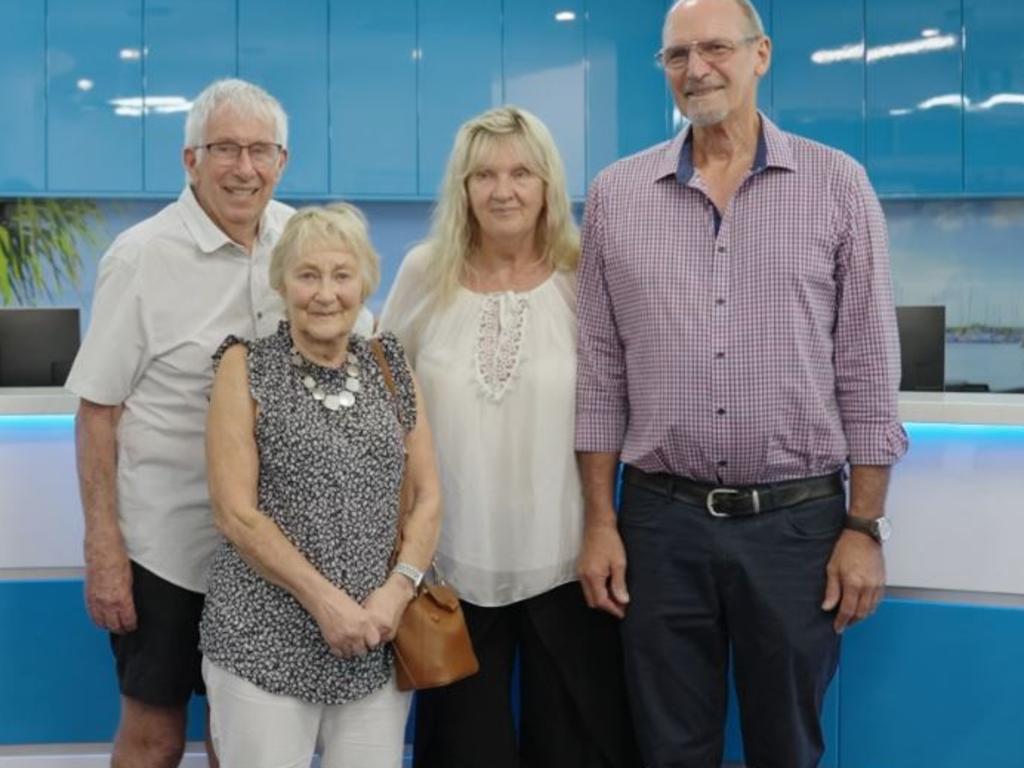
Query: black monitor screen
point(922, 348)
point(37, 346)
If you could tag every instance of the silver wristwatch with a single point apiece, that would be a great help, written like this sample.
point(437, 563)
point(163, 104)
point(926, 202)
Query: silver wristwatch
point(878, 528)
point(411, 572)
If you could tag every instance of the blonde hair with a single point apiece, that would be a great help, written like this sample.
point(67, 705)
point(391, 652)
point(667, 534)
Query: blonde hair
point(340, 225)
point(454, 232)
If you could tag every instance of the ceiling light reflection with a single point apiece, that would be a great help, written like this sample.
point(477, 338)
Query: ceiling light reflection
point(137, 106)
point(85, 84)
point(854, 51)
point(565, 16)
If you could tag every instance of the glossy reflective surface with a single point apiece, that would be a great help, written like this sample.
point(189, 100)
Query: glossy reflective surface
point(994, 89)
point(285, 51)
point(544, 72)
point(914, 119)
point(23, 124)
point(94, 139)
point(373, 97)
point(624, 87)
point(188, 44)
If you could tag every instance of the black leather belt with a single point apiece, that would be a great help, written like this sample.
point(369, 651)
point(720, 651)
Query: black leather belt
point(741, 501)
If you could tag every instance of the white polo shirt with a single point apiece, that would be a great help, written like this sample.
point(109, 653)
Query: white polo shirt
point(169, 290)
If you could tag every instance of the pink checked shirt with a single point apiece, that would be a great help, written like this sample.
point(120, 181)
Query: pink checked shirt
point(764, 351)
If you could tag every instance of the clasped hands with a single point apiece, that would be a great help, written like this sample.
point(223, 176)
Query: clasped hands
point(352, 630)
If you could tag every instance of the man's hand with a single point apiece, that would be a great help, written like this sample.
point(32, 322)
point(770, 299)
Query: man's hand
point(855, 578)
point(602, 569)
point(108, 588)
point(387, 604)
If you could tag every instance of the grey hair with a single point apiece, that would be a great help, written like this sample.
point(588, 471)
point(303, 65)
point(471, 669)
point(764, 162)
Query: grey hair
point(244, 98)
point(746, 6)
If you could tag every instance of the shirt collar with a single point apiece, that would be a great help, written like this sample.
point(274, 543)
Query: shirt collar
point(207, 235)
point(773, 151)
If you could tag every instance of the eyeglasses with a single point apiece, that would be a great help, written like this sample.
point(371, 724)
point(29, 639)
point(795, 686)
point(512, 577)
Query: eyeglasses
point(261, 153)
point(677, 57)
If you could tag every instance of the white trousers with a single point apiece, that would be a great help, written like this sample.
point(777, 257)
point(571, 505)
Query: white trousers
point(255, 729)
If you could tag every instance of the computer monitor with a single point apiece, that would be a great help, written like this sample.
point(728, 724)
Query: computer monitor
point(37, 346)
point(922, 348)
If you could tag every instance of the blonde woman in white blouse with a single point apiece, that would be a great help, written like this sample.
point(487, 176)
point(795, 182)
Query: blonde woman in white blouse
point(486, 311)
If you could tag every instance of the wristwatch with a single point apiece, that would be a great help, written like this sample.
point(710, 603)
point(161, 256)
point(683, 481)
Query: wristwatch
point(411, 572)
point(878, 528)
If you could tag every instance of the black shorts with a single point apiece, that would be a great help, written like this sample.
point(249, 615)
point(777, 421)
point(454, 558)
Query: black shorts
point(159, 663)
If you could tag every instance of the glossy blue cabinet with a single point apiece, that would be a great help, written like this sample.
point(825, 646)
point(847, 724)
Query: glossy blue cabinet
point(994, 95)
point(284, 49)
point(459, 43)
point(188, 45)
point(914, 132)
point(94, 96)
point(373, 98)
point(766, 89)
point(23, 85)
point(627, 101)
point(544, 72)
point(819, 71)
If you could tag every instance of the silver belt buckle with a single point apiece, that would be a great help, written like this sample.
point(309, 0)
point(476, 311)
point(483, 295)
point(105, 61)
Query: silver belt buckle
point(709, 502)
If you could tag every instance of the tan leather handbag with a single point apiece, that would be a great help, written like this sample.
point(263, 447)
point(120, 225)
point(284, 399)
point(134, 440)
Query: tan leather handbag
point(432, 645)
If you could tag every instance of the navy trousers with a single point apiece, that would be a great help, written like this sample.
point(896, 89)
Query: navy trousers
point(705, 588)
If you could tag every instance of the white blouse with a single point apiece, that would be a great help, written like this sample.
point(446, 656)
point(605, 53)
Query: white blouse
point(497, 372)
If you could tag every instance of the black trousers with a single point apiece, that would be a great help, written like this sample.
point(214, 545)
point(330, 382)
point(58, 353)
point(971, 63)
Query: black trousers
point(574, 708)
point(702, 587)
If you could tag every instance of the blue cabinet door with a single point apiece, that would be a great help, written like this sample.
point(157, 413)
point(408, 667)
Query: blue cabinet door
point(459, 77)
point(994, 91)
point(627, 100)
point(819, 71)
point(914, 139)
point(23, 86)
point(373, 98)
point(188, 45)
point(94, 95)
point(284, 49)
point(544, 72)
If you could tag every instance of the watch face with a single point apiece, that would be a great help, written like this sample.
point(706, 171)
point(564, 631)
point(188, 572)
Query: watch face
point(883, 529)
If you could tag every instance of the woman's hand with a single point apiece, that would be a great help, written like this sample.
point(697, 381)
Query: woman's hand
point(386, 605)
point(348, 628)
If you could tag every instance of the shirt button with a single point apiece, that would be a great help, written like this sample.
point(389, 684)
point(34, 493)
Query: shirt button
point(723, 463)
point(719, 355)
point(721, 249)
point(259, 315)
point(719, 302)
point(720, 411)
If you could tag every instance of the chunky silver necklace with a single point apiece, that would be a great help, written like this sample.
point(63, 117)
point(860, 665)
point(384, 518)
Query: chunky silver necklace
point(332, 401)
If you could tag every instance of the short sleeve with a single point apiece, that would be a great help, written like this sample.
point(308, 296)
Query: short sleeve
point(115, 351)
point(255, 364)
point(405, 389)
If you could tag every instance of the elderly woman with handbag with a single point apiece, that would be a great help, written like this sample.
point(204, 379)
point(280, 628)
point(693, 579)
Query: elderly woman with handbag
point(307, 449)
point(486, 311)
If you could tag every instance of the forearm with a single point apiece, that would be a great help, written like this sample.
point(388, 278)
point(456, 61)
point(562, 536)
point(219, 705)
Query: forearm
point(868, 487)
point(96, 458)
point(421, 529)
point(597, 476)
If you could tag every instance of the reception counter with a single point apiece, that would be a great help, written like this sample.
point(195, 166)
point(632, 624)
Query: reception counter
point(933, 679)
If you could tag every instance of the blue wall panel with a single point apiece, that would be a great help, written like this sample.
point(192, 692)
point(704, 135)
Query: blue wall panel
point(94, 93)
point(23, 85)
point(285, 51)
point(624, 87)
point(994, 86)
point(188, 44)
point(459, 42)
point(819, 71)
point(914, 118)
point(58, 674)
point(927, 685)
point(544, 72)
point(373, 98)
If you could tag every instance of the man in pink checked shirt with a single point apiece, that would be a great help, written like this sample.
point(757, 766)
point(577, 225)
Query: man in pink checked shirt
point(737, 349)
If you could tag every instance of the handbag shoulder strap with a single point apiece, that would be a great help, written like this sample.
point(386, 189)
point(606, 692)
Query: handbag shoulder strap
point(382, 362)
point(403, 508)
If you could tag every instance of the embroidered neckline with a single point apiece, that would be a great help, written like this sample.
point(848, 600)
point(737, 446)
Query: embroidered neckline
point(501, 327)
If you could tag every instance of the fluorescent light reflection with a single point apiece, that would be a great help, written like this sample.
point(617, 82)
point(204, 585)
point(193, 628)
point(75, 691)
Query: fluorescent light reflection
point(85, 84)
point(856, 51)
point(137, 106)
point(130, 54)
point(565, 16)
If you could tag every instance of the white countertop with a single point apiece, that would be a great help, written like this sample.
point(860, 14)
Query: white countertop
point(924, 407)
